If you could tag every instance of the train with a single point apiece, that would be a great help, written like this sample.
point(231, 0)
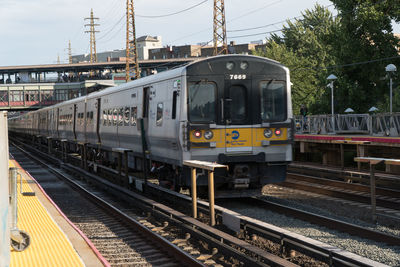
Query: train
point(232, 109)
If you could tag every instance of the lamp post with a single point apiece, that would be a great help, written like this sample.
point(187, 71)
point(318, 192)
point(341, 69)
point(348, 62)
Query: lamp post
point(332, 78)
point(390, 69)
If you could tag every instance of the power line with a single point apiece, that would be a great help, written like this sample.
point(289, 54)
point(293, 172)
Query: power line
point(174, 13)
point(360, 63)
point(264, 26)
point(115, 25)
point(272, 24)
point(241, 16)
point(255, 34)
point(114, 35)
point(255, 10)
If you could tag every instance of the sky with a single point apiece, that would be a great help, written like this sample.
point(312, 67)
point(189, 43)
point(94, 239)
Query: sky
point(38, 31)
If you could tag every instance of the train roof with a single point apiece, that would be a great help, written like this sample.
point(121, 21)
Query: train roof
point(153, 78)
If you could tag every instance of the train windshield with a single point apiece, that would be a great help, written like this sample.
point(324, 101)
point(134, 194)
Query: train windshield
point(202, 101)
point(273, 101)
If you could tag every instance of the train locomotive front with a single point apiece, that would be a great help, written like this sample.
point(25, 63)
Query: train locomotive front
point(239, 114)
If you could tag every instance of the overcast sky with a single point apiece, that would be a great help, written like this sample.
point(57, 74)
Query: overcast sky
point(37, 31)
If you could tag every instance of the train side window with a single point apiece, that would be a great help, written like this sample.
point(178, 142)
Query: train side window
point(127, 116)
point(115, 117)
point(159, 117)
point(174, 100)
point(133, 115)
point(105, 117)
point(109, 117)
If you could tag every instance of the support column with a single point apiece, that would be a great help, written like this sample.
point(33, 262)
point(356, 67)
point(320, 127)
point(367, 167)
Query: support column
point(373, 192)
point(4, 192)
point(211, 197)
point(342, 156)
point(194, 193)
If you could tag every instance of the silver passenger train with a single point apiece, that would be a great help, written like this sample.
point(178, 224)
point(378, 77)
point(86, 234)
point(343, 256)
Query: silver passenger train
point(234, 110)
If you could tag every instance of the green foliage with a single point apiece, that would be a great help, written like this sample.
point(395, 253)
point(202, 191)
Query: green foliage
point(319, 44)
point(364, 34)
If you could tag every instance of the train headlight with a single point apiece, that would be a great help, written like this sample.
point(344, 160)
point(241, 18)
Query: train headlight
point(208, 135)
point(267, 133)
point(278, 132)
point(230, 65)
point(197, 134)
point(244, 65)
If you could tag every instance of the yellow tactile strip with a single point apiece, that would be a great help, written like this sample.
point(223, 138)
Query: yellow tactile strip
point(49, 245)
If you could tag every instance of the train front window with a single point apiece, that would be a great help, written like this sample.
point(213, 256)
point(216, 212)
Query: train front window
point(237, 105)
point(273, 101)
point(202, 101)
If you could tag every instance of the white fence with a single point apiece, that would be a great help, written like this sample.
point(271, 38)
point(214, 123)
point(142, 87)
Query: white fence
point(384, 124)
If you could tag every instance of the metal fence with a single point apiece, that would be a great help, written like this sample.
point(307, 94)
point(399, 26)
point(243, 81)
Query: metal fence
point(383, 124)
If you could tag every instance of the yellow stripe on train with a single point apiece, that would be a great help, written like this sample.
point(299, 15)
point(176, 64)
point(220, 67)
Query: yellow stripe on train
point(235, 137)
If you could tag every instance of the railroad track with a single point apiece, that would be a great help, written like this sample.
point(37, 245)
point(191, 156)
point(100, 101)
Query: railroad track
point(383, 180)
point(325, 221)
point(202, 244)
point(387, 200)
point(252, 253)
point(121, 240)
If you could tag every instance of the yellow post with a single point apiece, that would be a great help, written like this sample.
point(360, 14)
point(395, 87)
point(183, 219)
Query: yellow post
point(211, 196)
point(194, 193)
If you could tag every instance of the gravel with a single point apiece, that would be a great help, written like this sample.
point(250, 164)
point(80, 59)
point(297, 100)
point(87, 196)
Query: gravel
point(379, 252)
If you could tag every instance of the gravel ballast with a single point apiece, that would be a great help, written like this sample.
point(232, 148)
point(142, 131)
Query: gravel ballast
point(379, 252)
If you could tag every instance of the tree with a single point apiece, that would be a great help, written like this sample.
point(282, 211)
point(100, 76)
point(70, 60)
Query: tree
point(364, 34)
point(305, 48)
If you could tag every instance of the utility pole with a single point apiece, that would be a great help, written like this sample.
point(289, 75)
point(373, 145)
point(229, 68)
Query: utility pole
point(220, 38)
point(92, 31)
point(69, 52)
point(58, 59)
point(132, 64)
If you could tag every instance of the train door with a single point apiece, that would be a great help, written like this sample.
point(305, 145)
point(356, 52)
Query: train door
point(145, 116)
point(146, 106)
point(85, 122)
point(237, 116)
point(74, 122)
point(98, 116)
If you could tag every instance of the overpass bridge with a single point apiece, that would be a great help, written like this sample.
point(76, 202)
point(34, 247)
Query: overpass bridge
point(35, 86)
point(80, 71)
point(31, 96)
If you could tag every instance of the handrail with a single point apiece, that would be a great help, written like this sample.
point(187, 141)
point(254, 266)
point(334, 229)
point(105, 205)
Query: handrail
point(382, 124)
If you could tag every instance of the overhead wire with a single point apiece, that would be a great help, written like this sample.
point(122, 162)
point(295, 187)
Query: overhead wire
point(113, 27)
point(354, 63)
point(171, 14)
point(272, 24)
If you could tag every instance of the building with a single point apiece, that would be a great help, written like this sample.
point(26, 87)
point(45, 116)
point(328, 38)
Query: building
point(143, 43)
point(168, 52)
point(150, 47)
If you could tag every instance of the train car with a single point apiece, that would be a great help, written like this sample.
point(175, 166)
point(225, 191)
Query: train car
point(234, 110)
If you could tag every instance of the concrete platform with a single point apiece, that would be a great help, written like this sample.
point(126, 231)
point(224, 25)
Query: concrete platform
point(55, 241)
point(330, 139)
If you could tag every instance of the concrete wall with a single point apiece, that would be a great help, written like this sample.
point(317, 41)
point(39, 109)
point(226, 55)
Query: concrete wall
point(4, 201)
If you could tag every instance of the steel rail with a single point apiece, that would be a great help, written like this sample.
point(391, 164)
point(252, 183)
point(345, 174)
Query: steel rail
point(330, 223)
point(338, 189)
point(236, 222)
point(223, 241)
point(167, 246)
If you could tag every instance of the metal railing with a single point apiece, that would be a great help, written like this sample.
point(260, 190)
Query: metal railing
point(383, 124)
